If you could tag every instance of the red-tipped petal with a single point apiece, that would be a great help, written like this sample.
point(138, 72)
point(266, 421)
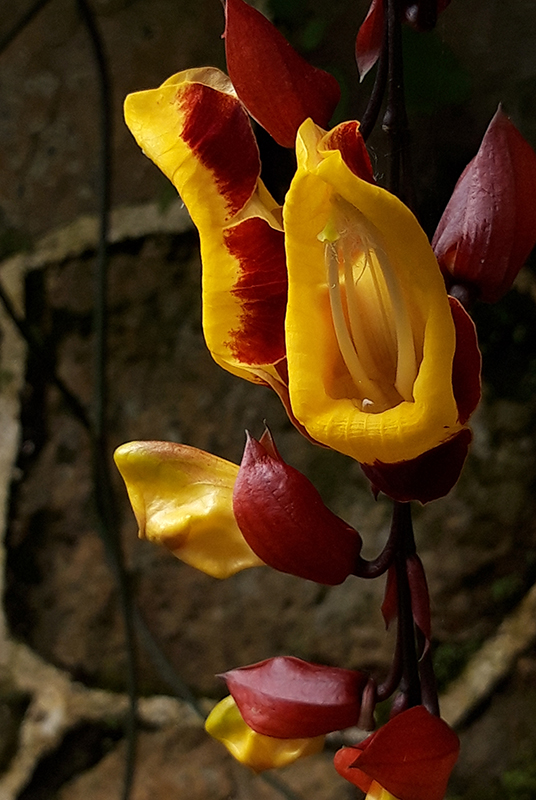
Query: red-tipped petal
point(289, 698)
point(278, 87)
point(425, 478)
point(467, 363)
point(368, 43)
point(489, 225)
point(347, 138)
point(412, 757)
point(281, 514)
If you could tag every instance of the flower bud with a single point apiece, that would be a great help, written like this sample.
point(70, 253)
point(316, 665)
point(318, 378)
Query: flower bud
point(489, 225)
point(289, 698)
point(285, 522)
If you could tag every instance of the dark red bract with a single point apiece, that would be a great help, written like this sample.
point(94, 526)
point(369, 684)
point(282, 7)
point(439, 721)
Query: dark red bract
point(278, 87)
point(489, 225)
point(289, 698)
point(285, 522)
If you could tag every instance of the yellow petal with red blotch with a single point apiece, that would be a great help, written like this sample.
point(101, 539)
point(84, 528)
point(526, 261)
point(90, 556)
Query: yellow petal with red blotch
point(255, 750)
point(370, 337)
point(182, 499)
point(197, 131)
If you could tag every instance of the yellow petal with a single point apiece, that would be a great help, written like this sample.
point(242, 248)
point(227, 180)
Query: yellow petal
point(255, 750)
point(377, 792)
point(182, 498)
point(370, 336)
point(197, 131)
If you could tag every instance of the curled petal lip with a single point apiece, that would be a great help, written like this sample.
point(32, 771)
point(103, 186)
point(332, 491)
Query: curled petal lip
point(182, 499)
point(253, 749)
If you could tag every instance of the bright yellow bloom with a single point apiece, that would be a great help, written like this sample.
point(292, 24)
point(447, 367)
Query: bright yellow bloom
point(255, 750)
point(182, 498)
point(369, 333)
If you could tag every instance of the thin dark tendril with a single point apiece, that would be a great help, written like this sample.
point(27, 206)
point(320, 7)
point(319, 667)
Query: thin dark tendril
point(105, 502)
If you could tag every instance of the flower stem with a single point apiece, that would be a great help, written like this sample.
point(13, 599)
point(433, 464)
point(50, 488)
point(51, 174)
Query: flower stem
point(406, 627)
point(395, 121)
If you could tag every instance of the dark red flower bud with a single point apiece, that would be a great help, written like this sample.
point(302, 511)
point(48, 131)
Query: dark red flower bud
point(489, 225)
point(285, 522)
point(411, 757)
point(289, 698)
point(278, 87)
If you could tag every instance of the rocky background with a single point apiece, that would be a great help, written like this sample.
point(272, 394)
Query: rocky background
point(62, 641)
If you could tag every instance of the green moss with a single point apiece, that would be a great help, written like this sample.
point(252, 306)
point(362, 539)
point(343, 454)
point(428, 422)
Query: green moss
point(451, 657)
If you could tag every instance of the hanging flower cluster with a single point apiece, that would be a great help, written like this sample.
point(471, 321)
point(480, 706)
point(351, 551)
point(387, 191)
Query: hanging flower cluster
point(337, 301)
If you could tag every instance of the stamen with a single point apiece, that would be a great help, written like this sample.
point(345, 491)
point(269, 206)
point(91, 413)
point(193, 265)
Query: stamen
point(371, 321)
point(368, 388)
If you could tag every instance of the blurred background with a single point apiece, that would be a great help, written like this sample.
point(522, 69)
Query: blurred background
point(63, 659)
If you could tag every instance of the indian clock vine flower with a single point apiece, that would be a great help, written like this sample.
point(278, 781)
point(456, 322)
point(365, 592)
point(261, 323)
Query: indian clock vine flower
point(344, 312)
point(221, 519)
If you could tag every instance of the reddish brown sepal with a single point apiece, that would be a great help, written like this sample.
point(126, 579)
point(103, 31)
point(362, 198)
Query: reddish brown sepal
point(467, 363)
point(425, 478)
point(420, 598)
point(368, 43)
point(284, 521)
point(347, 138)
point(489, 225)
point(261, 289)
point(411, 756)
point(390, 598)
point(288, 698)
point(278, 87)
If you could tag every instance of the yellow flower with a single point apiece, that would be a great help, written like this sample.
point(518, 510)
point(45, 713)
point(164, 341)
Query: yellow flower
point(182, 499)
point(255, 750)
point(369, 333)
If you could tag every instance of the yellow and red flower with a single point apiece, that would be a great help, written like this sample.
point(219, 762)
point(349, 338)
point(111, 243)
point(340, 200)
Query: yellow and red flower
point(221, 519)
point(409, 758)
point(362, 349)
